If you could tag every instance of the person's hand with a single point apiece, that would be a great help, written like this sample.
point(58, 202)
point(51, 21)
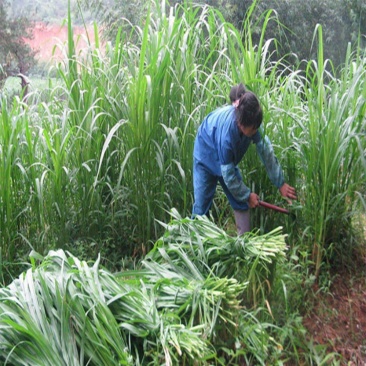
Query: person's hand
point(288, 192)
point(253, 200)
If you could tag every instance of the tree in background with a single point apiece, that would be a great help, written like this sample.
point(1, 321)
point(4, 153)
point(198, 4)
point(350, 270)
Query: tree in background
point(342, 22)
point(300, 20)
point(16, 57)
point(294, 23)
point(114, 14)
point(357, 15)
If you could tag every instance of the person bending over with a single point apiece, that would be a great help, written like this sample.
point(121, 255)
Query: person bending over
point(221, 142)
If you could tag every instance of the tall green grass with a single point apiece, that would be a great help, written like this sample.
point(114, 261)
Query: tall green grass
point(316, 121)
point(107, 151)
point(168, 80)
point(331, 152)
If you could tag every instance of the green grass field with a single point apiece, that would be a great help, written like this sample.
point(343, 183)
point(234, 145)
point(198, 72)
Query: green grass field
point(13, 84)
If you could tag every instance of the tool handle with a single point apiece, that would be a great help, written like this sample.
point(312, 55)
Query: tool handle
point(274, 207)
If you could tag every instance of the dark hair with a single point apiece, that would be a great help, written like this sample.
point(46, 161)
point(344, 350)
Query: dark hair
point(249, 112)
point(236, 92)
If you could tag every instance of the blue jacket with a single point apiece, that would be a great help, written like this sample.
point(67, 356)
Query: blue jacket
point(220, 146)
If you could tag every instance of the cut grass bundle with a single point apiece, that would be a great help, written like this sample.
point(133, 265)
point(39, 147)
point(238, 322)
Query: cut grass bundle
point(174, 310)
point(47, 312)
point(64, 312)
point(200, 247)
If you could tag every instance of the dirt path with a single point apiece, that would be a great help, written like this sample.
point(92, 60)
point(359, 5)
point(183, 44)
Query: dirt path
point(339, 318)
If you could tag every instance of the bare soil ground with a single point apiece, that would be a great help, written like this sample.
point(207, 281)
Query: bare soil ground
point(338, 319)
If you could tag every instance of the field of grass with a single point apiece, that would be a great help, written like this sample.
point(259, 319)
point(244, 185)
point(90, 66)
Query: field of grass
point(13, 84)
point(98, 162)
point(37, 86)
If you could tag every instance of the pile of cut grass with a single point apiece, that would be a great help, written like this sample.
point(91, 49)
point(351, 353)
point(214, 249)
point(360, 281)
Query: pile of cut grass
point(186, 304)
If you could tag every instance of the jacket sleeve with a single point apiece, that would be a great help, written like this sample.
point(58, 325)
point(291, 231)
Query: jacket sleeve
point(234, 183)
point(268, 158)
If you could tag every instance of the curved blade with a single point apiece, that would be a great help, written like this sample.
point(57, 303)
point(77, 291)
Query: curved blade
point(274, 207)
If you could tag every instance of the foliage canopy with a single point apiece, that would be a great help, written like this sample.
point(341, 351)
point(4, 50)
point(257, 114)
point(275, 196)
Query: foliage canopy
point(293, 22)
